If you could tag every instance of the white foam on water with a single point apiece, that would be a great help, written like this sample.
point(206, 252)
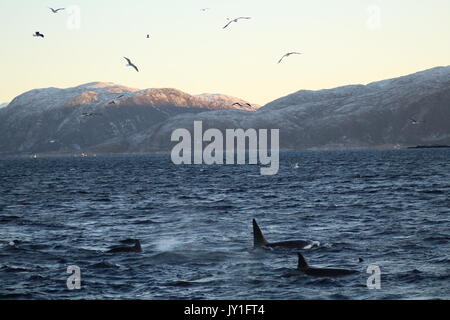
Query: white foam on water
point(167, 244)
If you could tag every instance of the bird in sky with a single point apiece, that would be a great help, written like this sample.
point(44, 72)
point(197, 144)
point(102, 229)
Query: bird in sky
point(38, 34)
point(287, 55)
point(415, 122)
point(241, 105)
point(205, 9)
point(148, 36)
point(130, 64)
point(114, 101)
point(235, 20)
point(56, 10)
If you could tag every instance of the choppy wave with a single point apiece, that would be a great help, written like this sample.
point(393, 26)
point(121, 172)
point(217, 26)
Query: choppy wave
point(388, 208)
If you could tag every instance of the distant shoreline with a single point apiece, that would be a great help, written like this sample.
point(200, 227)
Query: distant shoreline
point(167, 153)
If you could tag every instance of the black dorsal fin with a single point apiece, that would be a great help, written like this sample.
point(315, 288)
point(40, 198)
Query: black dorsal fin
point(258, 237)
point(302, 264)
point(137, 245)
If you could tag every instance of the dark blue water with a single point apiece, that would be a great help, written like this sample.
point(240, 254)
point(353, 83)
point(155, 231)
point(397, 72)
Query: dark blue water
point(390, 208)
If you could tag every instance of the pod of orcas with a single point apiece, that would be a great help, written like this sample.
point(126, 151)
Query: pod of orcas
point(258, 242)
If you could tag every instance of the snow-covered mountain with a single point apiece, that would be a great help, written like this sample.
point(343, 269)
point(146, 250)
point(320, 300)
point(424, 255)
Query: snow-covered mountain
point(406, 111)
point(73, 119)
point(358, 116)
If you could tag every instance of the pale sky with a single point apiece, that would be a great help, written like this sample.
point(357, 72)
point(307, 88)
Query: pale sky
point(342, 41)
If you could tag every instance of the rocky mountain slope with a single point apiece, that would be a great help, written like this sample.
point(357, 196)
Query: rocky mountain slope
point(358, 116)
point(103, 117)
point(90, 115)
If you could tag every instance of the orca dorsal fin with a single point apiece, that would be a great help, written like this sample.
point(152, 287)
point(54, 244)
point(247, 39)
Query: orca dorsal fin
point(258, 237)
point(137, 245)
point(302, 264)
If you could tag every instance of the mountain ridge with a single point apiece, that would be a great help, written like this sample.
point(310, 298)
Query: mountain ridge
point(76, 118)
point(398, 112)
point(424, 75)
point(378, 114)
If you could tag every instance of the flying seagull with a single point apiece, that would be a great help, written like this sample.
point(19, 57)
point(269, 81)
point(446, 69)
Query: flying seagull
point(415, 122)
point(235, 20)
point(241, 105)
point(130, 64)
point(56, 10)
point(287, 55)
point(114, 101)
point(38, 34)
point(204, 9)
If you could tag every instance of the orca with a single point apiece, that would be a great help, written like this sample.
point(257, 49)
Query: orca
point(321, 272)
point(260, 241)
point(135, 248)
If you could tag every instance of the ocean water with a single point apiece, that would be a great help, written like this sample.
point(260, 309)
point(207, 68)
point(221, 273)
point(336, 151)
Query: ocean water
point(390, 208)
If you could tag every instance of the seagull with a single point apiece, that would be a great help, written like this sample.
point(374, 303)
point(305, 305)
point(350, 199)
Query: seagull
point(287, 55)
point(130, 64)
point(235, 20)
point(114, 101)
point(415, 122)
point(56, 10)
point(241, 105)
point(205, 9)
point(38, 34)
